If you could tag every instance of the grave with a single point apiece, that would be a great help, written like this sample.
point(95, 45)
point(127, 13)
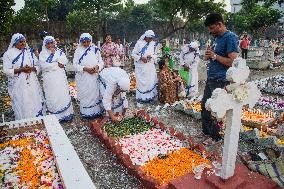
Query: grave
point(229, 102)
point(260, 58)
point(69, 167)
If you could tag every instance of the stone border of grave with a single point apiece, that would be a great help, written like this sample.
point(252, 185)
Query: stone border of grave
point(191, 112)
point(70, 167)
point(135, 170)
point(267, 141)
point(242, 177)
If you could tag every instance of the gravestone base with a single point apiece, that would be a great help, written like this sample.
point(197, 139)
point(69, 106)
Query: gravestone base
point(243, 179)
point(258, 64)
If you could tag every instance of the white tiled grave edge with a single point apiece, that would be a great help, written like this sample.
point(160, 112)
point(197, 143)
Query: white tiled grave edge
point(70, 168)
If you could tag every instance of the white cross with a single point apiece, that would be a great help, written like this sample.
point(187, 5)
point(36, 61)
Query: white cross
point(229, 102)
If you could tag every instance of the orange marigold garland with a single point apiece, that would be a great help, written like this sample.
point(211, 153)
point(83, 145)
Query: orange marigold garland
point(175, 164)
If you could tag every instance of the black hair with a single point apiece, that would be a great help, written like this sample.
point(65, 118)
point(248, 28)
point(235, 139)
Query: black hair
point(161, 64)
point(213, 18)
point(108, 34)
point(43, 34)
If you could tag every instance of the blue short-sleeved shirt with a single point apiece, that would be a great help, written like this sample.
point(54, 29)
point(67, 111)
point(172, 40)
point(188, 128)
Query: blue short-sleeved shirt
point(223, 45)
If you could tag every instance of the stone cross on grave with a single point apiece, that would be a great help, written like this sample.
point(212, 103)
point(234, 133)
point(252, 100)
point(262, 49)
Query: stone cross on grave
point(229, 102)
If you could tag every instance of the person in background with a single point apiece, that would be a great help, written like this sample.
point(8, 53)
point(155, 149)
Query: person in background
point(169, 82)
point(87, 63)
point(220, 56)
point(110, 53)
point(120, 51)
point(42, 35)
point(59, 44)
point(166, 51)
point(52, 61)
point(20, 67)
point(244, 45)
point(114, 82)
point(277, 54)
point(189, 60)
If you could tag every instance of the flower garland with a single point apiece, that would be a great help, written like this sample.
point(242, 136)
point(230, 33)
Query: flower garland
point(27, 162)
point(73, 90)
point(175, 164)
point(273, 84)
point(196, 106)
point(271, 103)
point(239, 92)
point(148, 145)
point(133, 85)
point(127, 127)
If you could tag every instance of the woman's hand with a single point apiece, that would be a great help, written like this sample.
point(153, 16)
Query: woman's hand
point(116, 118)
point(60, 65)
point(96, 69)
point(143, 59)
point(89, 70)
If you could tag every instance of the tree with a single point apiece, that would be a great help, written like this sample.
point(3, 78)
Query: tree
point(41, 6)
point(6, 16)
point(255, 18)
point(29, 17)
point(61, 10)
point(81, 21)
point(100, 11)
point(35, 12)
point(180, 13)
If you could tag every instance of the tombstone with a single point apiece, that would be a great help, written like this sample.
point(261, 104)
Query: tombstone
point(260, 58)
point(230, 102)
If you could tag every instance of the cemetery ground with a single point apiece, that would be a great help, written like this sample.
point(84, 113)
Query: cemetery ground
point(104, 168)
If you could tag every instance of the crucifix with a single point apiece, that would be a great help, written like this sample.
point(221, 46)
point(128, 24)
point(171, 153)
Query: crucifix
point(229, 102)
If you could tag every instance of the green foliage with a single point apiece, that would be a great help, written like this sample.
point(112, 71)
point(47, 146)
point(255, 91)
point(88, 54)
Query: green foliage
point(29, 17)
point(41, 5)
point(61, 10)
point(254, 17)
point(6, 16)
point(197, 26)
point(34, 12)
point(97, 13)
point(81, 21)
point(186, 11)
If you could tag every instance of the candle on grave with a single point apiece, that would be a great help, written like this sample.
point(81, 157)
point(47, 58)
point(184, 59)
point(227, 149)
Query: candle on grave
point(3, 118)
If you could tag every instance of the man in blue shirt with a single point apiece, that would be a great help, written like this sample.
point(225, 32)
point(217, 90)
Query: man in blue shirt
point(221, 55)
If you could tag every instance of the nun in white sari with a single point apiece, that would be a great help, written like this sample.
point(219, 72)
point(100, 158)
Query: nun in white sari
point(52, 61)
point(20, 66)
point(144, 54)
point(87, 63)
point(114, 82)
point(190, 59)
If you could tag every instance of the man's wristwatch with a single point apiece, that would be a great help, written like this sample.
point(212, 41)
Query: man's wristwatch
point(214, 57)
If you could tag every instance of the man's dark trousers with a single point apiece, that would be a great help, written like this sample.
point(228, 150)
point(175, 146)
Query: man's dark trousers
point(209, 123)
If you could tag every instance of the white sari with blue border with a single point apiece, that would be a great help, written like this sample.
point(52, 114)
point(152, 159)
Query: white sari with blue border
point(24, 88)
point(146, 76)
point(108, 85)
point(88, 84)
point(55, 84)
